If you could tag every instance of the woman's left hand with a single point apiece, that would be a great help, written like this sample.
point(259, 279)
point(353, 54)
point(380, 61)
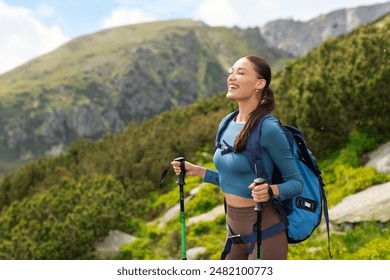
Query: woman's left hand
point(260, 192)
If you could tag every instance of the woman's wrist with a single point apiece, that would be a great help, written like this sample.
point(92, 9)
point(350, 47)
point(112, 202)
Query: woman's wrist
point(200, 171)
point(275, 189)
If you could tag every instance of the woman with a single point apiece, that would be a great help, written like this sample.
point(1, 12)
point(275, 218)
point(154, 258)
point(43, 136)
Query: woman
point(249, 85)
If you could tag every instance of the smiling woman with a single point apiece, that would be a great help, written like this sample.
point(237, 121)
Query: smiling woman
point(249, 85)
point(240, 82)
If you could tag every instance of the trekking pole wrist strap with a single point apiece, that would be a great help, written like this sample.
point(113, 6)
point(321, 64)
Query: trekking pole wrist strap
point(270, 192)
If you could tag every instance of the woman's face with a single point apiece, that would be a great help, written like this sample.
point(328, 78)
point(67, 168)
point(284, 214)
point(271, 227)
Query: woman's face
point(243, 81)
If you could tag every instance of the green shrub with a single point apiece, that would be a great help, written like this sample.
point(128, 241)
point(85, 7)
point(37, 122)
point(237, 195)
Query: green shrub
point(367, 241)
point(327, 103)
point(208, 197)
point(64, 221)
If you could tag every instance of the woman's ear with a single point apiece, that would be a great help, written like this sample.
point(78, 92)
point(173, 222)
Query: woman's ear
point(261, 84)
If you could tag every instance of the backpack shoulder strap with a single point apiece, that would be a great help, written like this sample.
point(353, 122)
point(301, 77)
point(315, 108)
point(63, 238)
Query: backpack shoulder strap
point(252, 149)
point(222, 126)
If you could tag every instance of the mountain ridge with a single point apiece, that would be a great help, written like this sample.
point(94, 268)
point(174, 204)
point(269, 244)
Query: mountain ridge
point(81, 91)
point(299, 37)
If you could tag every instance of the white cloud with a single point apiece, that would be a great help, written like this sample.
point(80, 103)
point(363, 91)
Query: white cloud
point(217, 12)
point(125, 16)
point(24, 37)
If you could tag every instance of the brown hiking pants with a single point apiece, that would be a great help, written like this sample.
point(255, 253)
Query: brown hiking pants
point(241, 221)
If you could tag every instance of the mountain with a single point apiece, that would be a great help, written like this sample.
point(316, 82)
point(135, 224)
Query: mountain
point(98, 84)
point(298, 37)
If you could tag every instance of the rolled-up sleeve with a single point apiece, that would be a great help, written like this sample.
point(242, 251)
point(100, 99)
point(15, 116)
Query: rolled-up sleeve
point(211, 176)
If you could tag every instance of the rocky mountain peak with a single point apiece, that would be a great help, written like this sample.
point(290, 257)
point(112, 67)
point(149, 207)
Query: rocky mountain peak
point(298, 37)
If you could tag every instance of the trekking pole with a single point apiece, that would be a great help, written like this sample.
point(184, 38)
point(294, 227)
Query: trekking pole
point(259, 209)
point(181, 183)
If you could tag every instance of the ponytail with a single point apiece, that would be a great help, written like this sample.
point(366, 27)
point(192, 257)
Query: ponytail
point(265, 106)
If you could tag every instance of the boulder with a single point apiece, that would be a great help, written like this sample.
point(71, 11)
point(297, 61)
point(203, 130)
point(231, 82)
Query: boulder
point(380, 158)
point(372, 204)
point(209, 216)
point(112, 243)
point(193, 253)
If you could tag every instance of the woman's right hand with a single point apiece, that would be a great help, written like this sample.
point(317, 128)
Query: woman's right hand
point(191, 169)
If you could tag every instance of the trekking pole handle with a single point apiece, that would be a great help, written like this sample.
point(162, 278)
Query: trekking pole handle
point(259, 205)
point(180, 179)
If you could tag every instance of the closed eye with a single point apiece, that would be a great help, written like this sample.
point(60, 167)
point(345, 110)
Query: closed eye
point(240, 71)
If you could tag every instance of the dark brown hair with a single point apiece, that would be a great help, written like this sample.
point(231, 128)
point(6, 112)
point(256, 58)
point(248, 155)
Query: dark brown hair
point(265, 105)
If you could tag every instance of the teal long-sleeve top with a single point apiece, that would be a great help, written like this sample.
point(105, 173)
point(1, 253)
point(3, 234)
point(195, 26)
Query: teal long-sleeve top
point(234, 173)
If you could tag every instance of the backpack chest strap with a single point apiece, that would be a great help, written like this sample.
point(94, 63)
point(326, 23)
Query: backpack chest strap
point(225, 147)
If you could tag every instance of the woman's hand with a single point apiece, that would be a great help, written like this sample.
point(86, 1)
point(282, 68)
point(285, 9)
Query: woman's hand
point(191, 169)
point(260, 192)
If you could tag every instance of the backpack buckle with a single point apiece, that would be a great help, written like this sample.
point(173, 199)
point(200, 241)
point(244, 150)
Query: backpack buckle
point(227, 148)
point(236, 239)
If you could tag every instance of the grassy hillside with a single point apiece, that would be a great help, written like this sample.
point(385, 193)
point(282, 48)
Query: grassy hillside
point(82, 55)
point(113, 183)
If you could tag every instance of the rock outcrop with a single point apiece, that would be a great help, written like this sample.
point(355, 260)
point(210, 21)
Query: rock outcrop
point(112, 243)
point(299, 37)
point(372, 204)
point(380, 158)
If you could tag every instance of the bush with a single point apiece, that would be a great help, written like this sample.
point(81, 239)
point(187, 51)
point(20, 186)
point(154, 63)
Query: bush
point(64, 221)
point(327, 103)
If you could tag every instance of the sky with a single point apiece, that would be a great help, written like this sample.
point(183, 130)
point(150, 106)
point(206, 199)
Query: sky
point(30, 28)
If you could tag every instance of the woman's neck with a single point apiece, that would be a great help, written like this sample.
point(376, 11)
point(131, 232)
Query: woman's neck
point(241, 118)
point(243, 112)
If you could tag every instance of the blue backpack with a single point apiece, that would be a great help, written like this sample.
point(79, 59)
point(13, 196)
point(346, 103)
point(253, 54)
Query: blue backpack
point(303, 213)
